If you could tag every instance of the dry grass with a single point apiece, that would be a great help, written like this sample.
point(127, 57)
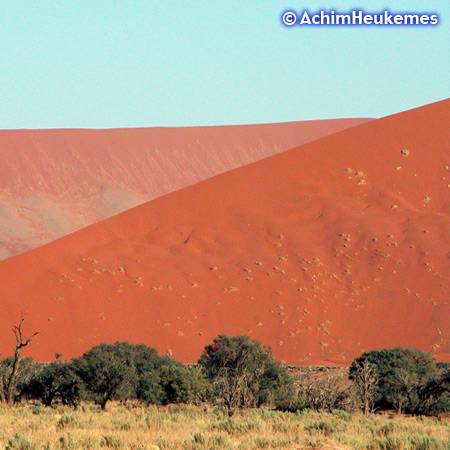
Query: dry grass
point(185, 427)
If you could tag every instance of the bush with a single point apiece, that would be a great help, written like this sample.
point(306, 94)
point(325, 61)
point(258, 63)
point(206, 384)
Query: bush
point(68, 443)
point(342, 415)
point(290, 405)
point(423, 442)
point(325, 390)
point(148, 366)
point(184, 384)
point(327, 428)
point(56, 381)
point(233, 428)
point(111, 441)
point(19, 442)
point(402, 377)
point(149, 388)
point(244, 373)
point(65, 422)
point(387, 443)
point(435, 394)
point(277, 386)
point(162, 380)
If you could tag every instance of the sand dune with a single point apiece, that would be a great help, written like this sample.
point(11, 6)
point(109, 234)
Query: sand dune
point(53, 182)
point(322, 252)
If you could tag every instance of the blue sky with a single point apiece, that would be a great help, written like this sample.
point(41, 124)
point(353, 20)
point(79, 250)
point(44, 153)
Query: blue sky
point(122, 63)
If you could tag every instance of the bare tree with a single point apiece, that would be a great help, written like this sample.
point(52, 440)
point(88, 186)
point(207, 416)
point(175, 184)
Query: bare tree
point(238, 386)
point(404, 387)
point(365, 381)
point(11, 370)
point(324, 390)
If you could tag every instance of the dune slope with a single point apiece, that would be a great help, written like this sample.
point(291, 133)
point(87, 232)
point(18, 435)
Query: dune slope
point(53, 182)
point(322, 252)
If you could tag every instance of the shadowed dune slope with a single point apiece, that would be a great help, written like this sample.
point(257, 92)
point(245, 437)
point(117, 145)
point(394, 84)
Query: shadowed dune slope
point(53, 182)
point(322, 252)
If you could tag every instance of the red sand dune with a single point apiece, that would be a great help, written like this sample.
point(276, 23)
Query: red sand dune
point(322, 252)
point(53, 182)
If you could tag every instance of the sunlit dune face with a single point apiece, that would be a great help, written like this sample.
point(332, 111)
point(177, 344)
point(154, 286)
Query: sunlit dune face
point(304, 251)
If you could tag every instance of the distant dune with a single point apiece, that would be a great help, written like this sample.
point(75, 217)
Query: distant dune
point(322, 252)
point(53, 182)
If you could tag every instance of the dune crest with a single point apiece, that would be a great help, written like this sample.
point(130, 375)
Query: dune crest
point(53, 182)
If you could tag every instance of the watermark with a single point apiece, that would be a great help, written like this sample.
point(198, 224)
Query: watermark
point(357, 17)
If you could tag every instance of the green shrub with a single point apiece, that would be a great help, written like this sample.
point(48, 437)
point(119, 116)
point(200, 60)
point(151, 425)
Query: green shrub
point(198, 438)
point(233, 427)
point(68, 443)
point(386, 429)
point(218, 441)
point(149, 388)
point(124, 426)
point(421, 442)
point(321, 426)
point(110, 441)
point(184, 384)
point(37, 409)
point(271, 443)
point(342, 415)
point(434, 395)
point(56, 381)
point(65, 421)
point(19, 442)
point(387, 443)
point(292, 405)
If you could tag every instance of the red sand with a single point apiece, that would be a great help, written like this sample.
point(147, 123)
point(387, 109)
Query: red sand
point(53, 182)
point(322, 252)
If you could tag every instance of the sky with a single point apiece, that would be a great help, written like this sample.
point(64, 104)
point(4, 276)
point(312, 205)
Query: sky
point(133, 63)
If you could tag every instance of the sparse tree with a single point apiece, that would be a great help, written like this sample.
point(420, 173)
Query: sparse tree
point(400, 374)
point(26, 371)
point(324, 390)
point(242, 372)
point(12, 369)
point(365, 384)
point(404, 386)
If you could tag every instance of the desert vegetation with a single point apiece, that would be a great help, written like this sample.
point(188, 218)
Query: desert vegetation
point(187, 427)
point(125, 395)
